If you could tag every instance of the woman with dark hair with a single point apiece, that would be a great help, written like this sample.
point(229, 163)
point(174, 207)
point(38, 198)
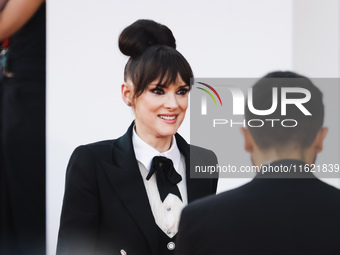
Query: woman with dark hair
point(125, 196)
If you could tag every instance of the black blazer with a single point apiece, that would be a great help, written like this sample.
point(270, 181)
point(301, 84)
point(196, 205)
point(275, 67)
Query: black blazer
point(106, 207)
point(265, 216)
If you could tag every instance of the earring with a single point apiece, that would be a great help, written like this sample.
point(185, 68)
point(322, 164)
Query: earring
point(129, 103)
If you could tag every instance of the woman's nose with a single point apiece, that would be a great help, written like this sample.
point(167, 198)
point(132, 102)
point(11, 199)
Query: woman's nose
point(171, 101)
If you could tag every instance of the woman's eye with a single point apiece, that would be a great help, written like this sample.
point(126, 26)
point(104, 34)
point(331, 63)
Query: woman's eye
point(182, 91)
point(158, 91)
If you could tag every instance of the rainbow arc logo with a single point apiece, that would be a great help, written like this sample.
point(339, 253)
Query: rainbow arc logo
point(204, 101)
point(213, 90)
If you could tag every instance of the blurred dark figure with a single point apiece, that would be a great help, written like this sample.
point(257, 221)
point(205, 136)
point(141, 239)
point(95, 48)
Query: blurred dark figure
point(278, 212)
point(22, 225)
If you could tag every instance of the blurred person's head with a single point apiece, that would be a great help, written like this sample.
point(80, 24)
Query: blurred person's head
point(300, 136)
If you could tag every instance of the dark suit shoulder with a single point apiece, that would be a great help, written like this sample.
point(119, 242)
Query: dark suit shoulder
point(328, 188)
point(200, 150)
point(100, 150)
point(200, 154)
point(100, 145)
point(260, 193)
point(211, 203)
point(84, 161)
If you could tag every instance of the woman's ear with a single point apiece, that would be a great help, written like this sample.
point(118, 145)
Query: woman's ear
point(127, 93)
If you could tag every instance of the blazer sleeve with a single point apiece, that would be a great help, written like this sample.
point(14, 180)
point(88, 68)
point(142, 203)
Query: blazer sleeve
point(80, 212)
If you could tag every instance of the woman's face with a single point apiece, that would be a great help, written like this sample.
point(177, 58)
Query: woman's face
point(159, 111)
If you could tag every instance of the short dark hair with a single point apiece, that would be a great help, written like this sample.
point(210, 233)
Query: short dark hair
point(305, 131)
point(153, 55)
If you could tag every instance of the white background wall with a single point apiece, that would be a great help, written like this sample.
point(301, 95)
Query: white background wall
point(232, 38)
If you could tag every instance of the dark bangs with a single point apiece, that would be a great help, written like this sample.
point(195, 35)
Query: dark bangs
point(157, 62)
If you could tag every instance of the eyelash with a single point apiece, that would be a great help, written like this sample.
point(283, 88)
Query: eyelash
point(159, 91)
point(183, 91)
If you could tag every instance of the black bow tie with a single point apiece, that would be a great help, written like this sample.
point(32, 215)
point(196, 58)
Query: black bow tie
point(166, 176)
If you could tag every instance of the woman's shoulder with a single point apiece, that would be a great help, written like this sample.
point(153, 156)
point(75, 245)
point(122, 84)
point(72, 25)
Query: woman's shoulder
point(100, 150)
point(98, 145)
point(200, 153)
point(198, 149)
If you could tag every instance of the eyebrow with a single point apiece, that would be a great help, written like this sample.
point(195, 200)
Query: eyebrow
point(182, 86)
point(164, 86)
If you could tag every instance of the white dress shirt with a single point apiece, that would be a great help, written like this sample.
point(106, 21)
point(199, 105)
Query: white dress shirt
point(166, 213)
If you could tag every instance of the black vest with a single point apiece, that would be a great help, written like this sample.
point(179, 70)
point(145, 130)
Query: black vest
point(166, 245)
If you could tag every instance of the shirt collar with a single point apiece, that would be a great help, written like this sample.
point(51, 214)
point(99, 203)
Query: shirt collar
point(145, 153)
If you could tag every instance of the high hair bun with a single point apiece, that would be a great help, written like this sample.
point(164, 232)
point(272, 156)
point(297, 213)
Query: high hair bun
point(140, 35)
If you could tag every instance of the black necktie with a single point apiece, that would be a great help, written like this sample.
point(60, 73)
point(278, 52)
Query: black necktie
point(166, 176)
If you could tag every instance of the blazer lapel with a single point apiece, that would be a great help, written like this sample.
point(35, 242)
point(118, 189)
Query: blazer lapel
point(124, 175)
point(192, 184)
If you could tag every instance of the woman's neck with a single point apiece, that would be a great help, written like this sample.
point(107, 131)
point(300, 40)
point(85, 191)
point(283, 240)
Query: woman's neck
point(161, 144)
